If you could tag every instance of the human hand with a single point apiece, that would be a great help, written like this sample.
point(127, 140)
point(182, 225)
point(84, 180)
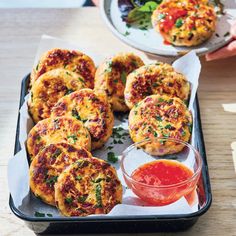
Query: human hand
point(228, 51)
point(96, 2)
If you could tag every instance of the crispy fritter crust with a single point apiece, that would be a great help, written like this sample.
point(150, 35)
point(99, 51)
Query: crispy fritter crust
point(159, 78)
point(88, 187)
point(111, 77)
point(48, 165)
point(160, 116)
point(93, 109)
point(71, 60)
point(56, 130)
point(49, 88)
point(185, 22)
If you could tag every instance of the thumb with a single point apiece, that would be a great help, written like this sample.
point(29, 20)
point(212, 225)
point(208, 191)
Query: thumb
point(227, 51)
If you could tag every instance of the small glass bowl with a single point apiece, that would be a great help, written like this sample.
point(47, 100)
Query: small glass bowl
point(137, 155)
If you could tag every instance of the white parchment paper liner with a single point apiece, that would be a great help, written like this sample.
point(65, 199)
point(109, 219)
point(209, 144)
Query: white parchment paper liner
point(18, 177)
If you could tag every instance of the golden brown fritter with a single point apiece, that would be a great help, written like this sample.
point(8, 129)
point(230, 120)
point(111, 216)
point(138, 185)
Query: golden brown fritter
point(71, 60)
point(48, 164)
point(160, 116)
point(159, 78)
point(49, 88)
point(111, 77)
point(89, 186)
point(184, 22)
point(93, 109)
point(56, 130)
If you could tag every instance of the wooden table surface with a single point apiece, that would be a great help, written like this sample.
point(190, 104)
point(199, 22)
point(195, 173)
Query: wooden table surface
point(20, 32)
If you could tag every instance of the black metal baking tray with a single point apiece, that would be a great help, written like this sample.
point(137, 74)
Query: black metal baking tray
point(122, 224)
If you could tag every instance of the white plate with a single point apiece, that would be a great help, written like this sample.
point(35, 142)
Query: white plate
point(151, 42)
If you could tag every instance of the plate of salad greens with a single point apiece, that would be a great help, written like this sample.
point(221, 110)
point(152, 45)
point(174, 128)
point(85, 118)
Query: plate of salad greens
point(130, 21)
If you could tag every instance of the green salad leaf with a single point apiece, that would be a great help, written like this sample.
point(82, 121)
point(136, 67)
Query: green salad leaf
point(140, 16)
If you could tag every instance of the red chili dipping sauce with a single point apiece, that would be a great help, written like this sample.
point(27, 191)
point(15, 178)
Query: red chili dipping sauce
point(159, 174)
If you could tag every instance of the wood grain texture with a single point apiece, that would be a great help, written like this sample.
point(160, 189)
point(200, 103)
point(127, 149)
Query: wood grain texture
point(19, 36)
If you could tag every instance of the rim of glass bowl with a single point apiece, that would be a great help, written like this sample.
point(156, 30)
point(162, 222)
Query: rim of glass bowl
point(134, 145)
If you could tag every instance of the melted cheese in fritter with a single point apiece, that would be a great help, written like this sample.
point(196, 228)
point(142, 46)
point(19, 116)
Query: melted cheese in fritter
point(93, 109)
point(185, 22)
point(159, 78)
point(111, 77)
point(71, 60)
point(49, 88)
point(88, 187)
point(48, 164)
point(56, 130)
point(160, 116)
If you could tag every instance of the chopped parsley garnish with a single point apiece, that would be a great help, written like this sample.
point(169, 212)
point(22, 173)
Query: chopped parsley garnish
point(111, 157)
point(98, 180)
point(169, 126)
point(173, 39)
point(56, 153)
point(81, 80)
point(73, 138)
point(134, 63)
point(109, 147)
point(151, 130)
point(190, 127)
point(183, 133)
point(161, 99)
point(143, 28)
point(162, 141)
point(82, 198)
point(186, 102)
point(155, 85)
point(82, 163)
point(39, 214)
point(123, 77)
point(51, 180)
point(68, 200)
point(68, 91)
point(155, 134)
point(98, 193)
point(176, 114)
point(118, 134)
point(56, 124)
point(75, 114)
point(161, 16)
point(165, 135)
point(68, 73)
point(126, 33)
point(78, 177)
point(159, 118)
point(179, 22)
point(31, 95)
point(109, 67)
point(37, 67)
point(115, 81)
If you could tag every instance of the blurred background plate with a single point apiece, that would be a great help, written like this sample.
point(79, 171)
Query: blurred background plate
point(150, 41)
